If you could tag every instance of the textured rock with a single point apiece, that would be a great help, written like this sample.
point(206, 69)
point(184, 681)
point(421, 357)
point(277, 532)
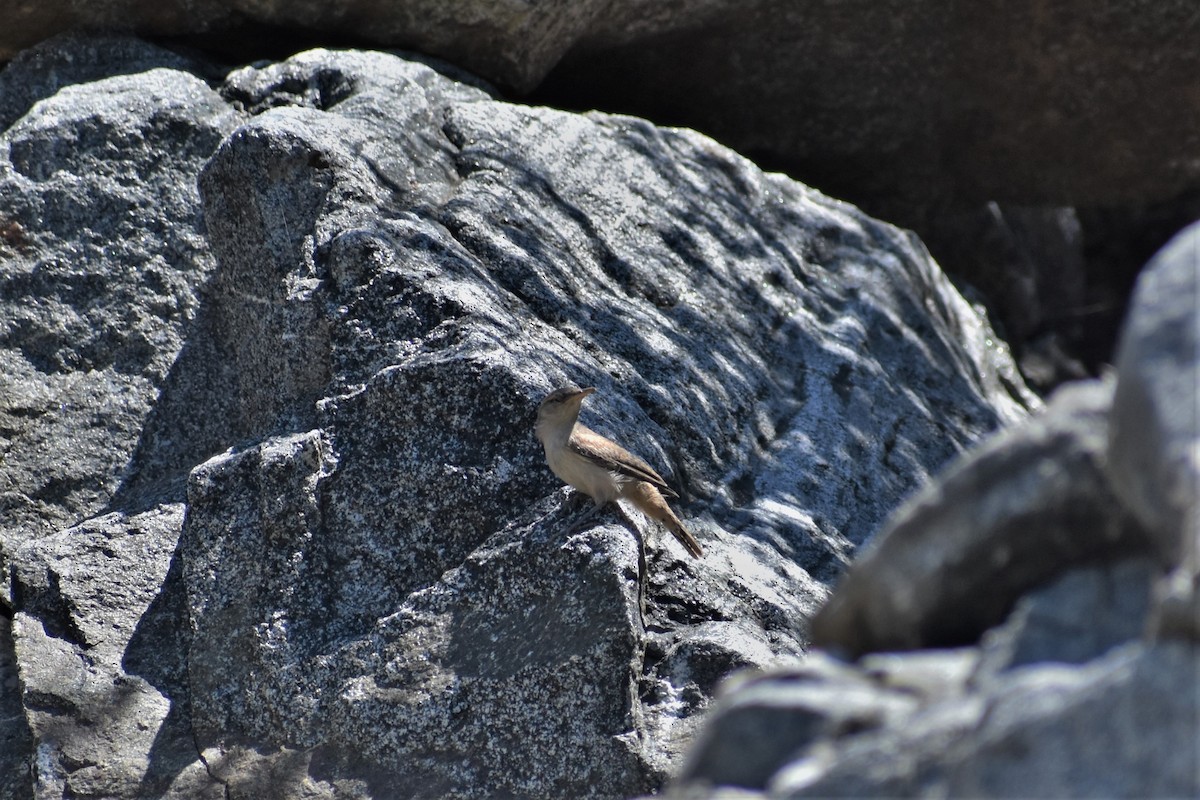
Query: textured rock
point(1015, 512)
point(101, 679)
point(103, 260)
point(16, 740)
point(1088, 687)
point(1156, 420)
point(378, 589)
point(513, 44)
point(962, 125)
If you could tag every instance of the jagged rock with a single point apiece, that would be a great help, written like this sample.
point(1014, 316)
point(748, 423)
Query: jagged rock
point(16, 740)
point(102, 681)
point(851, 100)
point(382, 589)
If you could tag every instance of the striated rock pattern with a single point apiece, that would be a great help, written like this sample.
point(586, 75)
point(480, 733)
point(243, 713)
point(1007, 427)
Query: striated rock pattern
point(1061, 555)
point(275, 522)
point(1042, 154)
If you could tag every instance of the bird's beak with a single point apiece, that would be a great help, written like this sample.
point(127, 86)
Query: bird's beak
point(585, 392)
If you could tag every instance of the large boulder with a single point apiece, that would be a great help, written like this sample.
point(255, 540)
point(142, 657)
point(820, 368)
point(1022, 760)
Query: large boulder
point(1039, 154)
point(371, 585)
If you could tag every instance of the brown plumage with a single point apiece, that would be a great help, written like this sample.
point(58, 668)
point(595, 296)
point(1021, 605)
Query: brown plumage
point(601, 468)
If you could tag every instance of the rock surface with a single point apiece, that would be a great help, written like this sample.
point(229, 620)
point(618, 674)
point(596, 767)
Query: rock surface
point(372, 586)
point(1062, 554)
point(1041, 155)
point(104, 260)
point(1156, 422)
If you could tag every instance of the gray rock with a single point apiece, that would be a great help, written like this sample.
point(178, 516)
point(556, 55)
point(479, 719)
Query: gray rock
point(1088, 687)
point(1155, 434)
point(103, 258)
point(764, 723)
point(72, 58)
point(1155, 447)
point(1111, 729)
point(1138, 708)
point(1029, 264)
point(1017, 511)
point(922, 725)
point(1079, 617)
point(16, 740)
point(383, 591)
point(103, 700)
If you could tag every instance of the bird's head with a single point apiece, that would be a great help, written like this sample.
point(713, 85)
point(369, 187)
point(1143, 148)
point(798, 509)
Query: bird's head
point(562, 404)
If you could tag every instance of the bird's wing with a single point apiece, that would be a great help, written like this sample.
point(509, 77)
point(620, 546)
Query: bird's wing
point(614, 458)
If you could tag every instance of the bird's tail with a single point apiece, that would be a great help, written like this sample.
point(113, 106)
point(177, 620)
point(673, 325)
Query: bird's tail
point(650, 502)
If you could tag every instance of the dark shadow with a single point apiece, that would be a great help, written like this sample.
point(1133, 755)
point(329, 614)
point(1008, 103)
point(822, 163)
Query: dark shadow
point(16, 739)
point(192, 420)
point(158, 653)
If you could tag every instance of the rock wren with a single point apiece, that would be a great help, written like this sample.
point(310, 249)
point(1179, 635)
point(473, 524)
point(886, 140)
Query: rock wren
point(600, 468)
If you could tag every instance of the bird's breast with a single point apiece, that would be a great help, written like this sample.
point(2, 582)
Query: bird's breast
point(593, 480)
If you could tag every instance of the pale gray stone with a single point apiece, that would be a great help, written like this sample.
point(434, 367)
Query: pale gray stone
point(1155, 449)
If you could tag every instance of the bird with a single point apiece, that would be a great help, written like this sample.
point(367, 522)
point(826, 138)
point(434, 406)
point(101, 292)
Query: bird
point(601, 468)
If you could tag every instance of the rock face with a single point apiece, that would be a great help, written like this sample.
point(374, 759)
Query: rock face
point(1041, 155)
point(104, 261)
point(1062, 555)
point(275, 520)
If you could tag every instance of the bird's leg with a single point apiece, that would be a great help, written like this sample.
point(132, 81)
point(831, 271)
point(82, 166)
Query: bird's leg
point(576, 501)
point(643, 573)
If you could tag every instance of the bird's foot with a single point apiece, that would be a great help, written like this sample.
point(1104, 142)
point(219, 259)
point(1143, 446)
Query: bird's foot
point(576, 500)
point(584, 520)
